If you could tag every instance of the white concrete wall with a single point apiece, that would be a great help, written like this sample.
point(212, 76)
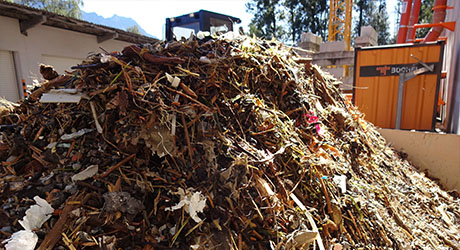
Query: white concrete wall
point(439, 154)
point(45, 41)
point(452, 65)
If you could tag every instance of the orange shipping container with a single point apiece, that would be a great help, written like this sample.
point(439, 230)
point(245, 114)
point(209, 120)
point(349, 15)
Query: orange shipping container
point(376, 80)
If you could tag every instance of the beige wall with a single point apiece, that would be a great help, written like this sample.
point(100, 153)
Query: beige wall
point(44, 42)
point(439, 154)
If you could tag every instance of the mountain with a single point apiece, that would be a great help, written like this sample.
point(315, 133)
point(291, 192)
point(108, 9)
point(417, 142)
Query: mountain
point(115, 21)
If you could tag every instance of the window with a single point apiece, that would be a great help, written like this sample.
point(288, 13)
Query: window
point(185, 30)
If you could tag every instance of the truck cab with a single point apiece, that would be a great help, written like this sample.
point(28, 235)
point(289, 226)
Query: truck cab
point(203, 20)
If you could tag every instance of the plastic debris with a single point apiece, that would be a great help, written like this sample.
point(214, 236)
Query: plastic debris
point(106, 58)
point(341, 181)
point(193, 203)
point(21, 240)
point(35, 216)
point(66, 137)
point(202, 34)
point(61, 96)
point(174, 80)
point(85, 174)
point(204, 59)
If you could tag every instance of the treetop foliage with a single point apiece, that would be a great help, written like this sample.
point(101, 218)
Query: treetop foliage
point(70, 8)
point(286, 20)
point(133, 29)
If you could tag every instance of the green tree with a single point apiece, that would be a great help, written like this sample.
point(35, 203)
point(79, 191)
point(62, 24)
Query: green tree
point(425, 16)
point(380, 22)
point(397, 11)
point(267, 20)
point(70, 8)
point(295, 18)
point(360, 7)
point(133, 29)
point(288, 19)
point(317, 17)
point(375, 14)
point(306, 15)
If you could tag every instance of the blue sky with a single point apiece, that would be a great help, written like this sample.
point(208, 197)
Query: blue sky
point(151, 14)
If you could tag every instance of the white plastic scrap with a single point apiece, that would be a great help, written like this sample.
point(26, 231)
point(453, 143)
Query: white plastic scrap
point(61, 96)
point(21, 240)
point(202, 34)
point(35, 216)
point(204, 59)
point(51, 145)
point(174, 80)
point(79, 133)
point(172, 231)
point(11, 158)
point(341, 181)
point(194, 203)
point(230, 35)
point(85, 174)
point(106, 58)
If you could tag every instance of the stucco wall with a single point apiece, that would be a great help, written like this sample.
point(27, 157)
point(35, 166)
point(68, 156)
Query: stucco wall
point(45, 41)
point(439, 154)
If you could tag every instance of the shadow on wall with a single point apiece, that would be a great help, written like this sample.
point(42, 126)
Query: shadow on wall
point(454, 123)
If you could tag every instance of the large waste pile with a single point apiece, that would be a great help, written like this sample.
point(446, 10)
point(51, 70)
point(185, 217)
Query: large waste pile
point(208, 144)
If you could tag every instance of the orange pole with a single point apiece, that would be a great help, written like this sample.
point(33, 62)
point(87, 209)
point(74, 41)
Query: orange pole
point(24, 88)
point(413, 20)
point(439, 15)
point(403, 23)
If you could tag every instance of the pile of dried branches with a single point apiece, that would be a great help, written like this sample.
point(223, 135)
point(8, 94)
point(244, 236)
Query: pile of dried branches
point(211, 144)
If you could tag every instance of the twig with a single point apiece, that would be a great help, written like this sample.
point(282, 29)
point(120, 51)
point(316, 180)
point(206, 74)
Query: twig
point(190, 152)
point(54, 234)
point(48, 85)
point(310, 219)
point(326, 195)
point(93, 110)
point(111, 169)
point(188, 97)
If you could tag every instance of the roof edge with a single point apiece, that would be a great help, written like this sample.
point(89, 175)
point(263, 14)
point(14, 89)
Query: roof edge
point(28, 15)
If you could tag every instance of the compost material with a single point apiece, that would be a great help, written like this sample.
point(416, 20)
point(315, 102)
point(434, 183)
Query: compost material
point(218, 143)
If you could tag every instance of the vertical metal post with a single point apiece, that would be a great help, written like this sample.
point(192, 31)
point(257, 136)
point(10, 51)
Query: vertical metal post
point(168, 30)
point(402, 79)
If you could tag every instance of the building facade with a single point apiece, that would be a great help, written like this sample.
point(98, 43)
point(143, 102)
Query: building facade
point(30, 36)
